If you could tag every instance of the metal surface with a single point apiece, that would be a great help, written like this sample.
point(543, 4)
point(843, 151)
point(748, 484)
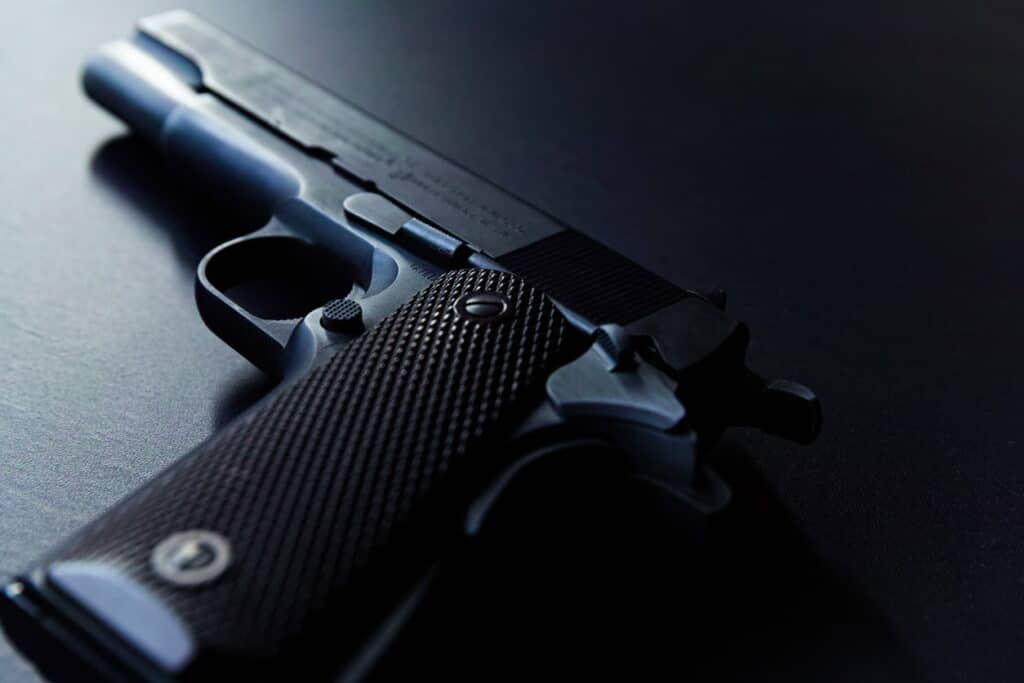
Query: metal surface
point(859, 162)
point(444, 192)
point(174, 79)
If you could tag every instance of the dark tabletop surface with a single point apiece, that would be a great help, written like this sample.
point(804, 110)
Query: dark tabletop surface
point(850, 172)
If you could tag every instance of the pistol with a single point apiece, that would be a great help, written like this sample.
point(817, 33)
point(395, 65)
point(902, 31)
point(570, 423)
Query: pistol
point(447, 337)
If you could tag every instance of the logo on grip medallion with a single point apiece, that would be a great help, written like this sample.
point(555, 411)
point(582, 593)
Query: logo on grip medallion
point(191, 558)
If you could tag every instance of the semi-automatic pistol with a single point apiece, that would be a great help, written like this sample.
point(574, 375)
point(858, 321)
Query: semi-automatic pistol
point(443, 338)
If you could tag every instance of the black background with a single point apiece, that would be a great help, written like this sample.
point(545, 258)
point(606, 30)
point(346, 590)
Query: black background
point(848, 171)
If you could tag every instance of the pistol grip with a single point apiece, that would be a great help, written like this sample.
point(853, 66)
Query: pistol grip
point(342, 490)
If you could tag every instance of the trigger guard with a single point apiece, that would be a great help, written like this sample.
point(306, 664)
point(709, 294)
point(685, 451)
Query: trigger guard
point(485, 503)
point(668, 460)
point(259, 340)
point(274, 251)
point(665, 460)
